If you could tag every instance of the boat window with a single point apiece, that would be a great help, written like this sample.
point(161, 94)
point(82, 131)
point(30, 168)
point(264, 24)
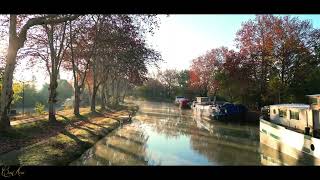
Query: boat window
point(282, 113)
point(274, 111)
point(314, 101)
point(294, 115)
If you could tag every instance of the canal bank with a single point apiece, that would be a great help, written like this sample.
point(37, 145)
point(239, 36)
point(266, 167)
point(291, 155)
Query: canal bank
point(68, 139)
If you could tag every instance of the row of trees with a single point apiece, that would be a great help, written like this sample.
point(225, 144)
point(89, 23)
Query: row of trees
point(33, 96)
point(105, 53)
point(166, 84)
point(277, 62)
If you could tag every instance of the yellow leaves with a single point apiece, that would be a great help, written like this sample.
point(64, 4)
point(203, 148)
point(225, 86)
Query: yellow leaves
point(17, 88)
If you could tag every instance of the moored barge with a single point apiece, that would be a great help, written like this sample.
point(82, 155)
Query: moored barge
point(293, 129)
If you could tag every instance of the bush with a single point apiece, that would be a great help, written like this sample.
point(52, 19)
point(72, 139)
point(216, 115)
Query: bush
point(39, 108)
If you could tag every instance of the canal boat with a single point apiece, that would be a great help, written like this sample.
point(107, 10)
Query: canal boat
point(293, 129)
point(184, 104)
point(203, 106)
point(230, 112)
point(218, 110)
point(178, 99)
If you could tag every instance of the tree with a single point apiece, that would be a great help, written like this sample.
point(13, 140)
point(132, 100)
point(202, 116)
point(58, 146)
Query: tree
point(151, 89)
point(183, 79)
point(31, 96)
point(277, 51)
point(81, 50)
point(203, 69)
point(50, 46)
point(233, 79)
point(121, 55)
point(169, 78)
point(16, 42)
point(64, 91)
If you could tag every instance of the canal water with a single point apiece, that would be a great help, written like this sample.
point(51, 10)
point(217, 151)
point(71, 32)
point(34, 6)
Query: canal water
point(163, 134)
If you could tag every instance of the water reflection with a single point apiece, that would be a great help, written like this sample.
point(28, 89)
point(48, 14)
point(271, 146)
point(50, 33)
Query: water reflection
point(124, 147)
point(162, 134)
point(272, 157)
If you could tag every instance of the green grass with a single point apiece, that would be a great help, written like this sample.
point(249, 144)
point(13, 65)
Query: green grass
point(31, 129)
point(61, 142)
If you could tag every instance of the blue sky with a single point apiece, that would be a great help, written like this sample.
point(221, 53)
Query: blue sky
point(182, 38)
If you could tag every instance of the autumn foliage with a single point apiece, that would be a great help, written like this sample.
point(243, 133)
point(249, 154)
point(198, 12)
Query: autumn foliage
point(276, 60)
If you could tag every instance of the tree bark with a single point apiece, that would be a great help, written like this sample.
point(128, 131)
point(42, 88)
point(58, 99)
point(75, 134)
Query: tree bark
point(103, 98)
point(93, 98)
point(124, 91)
point(113, 91)
point(56, 58)
point(52, 98)
point(90, 92)
point(118, 92)
point(76, 108)
point(77, 93)
point(7, 92)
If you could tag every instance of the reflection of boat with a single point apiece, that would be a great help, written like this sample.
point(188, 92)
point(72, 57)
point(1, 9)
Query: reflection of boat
point(270, 156)
point(293, 129)
point(238, 134)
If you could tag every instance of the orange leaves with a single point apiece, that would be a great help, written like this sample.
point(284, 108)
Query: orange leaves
point(204, 67)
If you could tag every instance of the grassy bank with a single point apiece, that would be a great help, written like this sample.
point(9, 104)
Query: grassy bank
point(44, 143)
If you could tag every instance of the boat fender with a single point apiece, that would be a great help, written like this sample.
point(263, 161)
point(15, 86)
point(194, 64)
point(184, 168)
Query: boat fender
point(312, 147)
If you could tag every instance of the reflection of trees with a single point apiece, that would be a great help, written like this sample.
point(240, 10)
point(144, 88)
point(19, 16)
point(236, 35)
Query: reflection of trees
point(170, 126)
point(166, 119)
point(213, 140)
point(222, 152)
point(221, 146)
point(239, 134)
point(124, 147)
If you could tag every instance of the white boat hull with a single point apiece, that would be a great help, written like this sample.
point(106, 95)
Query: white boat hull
point(297, 145)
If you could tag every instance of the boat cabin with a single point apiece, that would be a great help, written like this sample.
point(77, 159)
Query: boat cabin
point(203, 100)
point(298, 116)
point(314, 101)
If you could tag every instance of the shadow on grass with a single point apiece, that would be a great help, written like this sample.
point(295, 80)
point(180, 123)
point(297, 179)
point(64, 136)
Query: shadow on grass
point(22, 135)
point(96, 113)
point(74, 118)
point(88, 129)
point(69, 154)
point(97, 125)
point(76, 139)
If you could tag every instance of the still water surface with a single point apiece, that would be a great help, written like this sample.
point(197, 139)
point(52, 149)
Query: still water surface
point(162, 134)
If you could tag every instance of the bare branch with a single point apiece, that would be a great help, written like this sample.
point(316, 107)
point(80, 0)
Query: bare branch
point(52, 19)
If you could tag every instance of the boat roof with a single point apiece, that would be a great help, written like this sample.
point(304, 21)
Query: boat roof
point(314, 95)
point(293, 105)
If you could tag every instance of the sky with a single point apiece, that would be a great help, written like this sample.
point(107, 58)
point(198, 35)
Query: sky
point(179, 39)
point(182, 38)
